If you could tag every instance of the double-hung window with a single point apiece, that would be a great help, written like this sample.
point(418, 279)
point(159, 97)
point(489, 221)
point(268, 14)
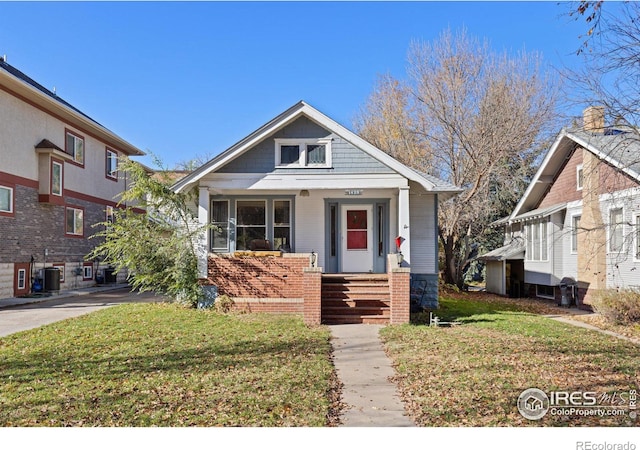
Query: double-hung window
point(616, 230)
point(6, 200)
point(74, 221)
point(303, 153)
point(75, 147)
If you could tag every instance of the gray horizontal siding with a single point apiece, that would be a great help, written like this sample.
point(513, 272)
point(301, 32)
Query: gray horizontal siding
point(346, 158)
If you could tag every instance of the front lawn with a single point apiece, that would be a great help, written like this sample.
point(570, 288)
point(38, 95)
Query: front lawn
point(161, 365)
point(472, 374)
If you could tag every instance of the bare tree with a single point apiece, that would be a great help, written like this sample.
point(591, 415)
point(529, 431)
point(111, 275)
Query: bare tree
point(473, 117)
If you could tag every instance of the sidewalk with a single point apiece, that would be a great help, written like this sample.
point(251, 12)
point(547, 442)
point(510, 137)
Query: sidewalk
point(18, 301)
point(364, 370)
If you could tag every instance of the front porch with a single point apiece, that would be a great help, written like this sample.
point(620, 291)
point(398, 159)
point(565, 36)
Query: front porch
point(291, 283)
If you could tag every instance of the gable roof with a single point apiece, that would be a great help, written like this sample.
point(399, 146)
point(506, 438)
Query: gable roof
point(618, 146)
point(28, 90)
point(430, 183)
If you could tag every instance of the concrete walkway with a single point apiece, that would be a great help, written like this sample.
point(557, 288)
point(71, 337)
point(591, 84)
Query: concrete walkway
point(577, 323)
point(364, 370)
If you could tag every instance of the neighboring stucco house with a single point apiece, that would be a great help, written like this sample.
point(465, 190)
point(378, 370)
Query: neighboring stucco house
point(58, 177)
point(302, 196)
point(578, 222)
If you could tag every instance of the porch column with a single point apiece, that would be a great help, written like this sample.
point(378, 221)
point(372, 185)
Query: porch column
point(203, 220)
point(403, 225)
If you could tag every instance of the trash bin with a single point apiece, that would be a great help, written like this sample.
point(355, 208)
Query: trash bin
point(566, 291)
point(51, 279)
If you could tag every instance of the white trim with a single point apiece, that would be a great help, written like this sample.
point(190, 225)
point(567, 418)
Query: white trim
point(608, 243)
point(11, 192)
point(22, 282)
point(578, 181)
point(574, 230)
point(636, 235)
point(302, 152)
point(228, 246)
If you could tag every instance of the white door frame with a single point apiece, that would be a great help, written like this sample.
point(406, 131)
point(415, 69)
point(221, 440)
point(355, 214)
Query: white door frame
point(357, 260)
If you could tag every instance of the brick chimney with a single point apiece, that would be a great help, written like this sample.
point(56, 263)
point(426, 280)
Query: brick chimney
point(593, 119)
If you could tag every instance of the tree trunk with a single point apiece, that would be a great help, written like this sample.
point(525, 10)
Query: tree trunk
point(450, 267)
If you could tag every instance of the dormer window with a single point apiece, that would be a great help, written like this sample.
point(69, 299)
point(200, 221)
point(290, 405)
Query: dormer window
point(75, 147)
point(303, 153)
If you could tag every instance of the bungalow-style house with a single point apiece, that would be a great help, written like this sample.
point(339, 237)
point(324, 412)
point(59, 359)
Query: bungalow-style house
point(310, 218)
point(577, 227)
point(58, 177)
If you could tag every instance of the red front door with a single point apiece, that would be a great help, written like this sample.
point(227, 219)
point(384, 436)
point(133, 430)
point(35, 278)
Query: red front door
point(21, 279)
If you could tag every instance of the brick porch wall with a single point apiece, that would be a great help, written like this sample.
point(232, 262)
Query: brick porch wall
point(400, 290)
point(271, 284)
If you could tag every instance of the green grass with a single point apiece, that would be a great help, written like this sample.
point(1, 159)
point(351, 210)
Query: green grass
point(162, 365)
point(473, 373)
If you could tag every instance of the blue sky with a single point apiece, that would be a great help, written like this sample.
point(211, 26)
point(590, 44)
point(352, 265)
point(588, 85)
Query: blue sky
point(181, 79)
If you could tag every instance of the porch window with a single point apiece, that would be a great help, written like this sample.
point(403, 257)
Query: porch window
point(251, 222)
point(615, 230)
point(537, 240)
point(220, 222)
point(282, 224)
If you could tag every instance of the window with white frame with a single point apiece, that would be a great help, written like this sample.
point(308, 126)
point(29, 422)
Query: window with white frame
point(6, 199)
point(637, 236)
point(579, 177)
point(536, 233)
point(251, 223)
point(87, 271)
point(616, 230)
point(282, 224)
point(74, 221)
point(220, 225)
point(111, 170)
point(303, 152)
point(575, 227)
point(56, 178)
point(22, 278)
point(60, 267)
point(75, 146)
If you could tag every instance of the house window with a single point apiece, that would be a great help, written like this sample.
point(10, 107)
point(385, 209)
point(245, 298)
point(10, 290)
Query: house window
point(87, 271)
point(111, 170)
point(316, 154)
point(6, 200)
point(74, 221)
point(75, 147)
point(637, 233)
point(289, 154)
point(22, 278)
point(615, 230)
point(579, 177)
point(251, 223)
point(303, 152)
point(56, 178)
point(220, 222)
point(282, 224)
point(109, 218)
point(545, 291)
point(537, 240)
point(575, 226)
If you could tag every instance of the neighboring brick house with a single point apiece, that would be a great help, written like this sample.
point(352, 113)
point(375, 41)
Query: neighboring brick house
point(58, 177)
point(308, 219)
point(578, 223)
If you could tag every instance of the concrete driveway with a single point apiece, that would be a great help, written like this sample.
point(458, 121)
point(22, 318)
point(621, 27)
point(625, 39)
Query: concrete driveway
point(25, 317)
